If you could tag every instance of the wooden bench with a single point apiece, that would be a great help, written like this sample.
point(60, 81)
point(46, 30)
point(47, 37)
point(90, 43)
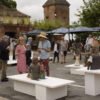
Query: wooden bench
point(44, 89)
point(92, 81)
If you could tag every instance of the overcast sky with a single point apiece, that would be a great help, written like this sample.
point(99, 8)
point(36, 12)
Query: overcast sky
point(35, 10)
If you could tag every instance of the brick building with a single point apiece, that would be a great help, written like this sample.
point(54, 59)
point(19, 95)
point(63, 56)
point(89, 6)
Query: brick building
point(14, 30)
point(57, 9)
point(13, 23)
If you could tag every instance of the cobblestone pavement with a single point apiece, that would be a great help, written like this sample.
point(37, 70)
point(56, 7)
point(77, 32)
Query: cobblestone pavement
point(75, 91)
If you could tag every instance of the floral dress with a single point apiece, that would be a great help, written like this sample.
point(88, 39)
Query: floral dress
point(21, 59)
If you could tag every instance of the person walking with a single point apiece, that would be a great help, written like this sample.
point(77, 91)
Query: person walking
point(20, 52)
point(44, 50)
point(28, 56)
point(89, 43)
point(63, 49)
point(56, 47)
point(96, 45)
point(4, 56)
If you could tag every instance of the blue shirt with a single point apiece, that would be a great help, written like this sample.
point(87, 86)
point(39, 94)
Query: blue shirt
point(44, 44)
point(29, 43)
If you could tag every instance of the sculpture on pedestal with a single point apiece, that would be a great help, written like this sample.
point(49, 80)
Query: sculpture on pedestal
point(77, 46)
point(34, 69)
point(77, 61)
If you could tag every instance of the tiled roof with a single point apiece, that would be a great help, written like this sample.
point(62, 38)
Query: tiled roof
point(56, 2)
point(9, 12)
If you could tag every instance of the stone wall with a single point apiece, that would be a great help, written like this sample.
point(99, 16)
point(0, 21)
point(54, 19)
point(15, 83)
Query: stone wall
point(62, 13)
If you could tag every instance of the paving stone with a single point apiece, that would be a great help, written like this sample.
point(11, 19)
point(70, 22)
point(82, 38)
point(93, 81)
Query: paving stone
point(1, 98)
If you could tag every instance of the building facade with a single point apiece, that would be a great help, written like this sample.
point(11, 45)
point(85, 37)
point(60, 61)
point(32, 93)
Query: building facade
point(57, 9)
point(13, 22)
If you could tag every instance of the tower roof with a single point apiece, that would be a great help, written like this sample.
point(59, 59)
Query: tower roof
point(56, 2)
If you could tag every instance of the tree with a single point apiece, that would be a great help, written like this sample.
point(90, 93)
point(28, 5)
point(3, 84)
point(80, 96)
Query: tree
point(9, 3)
point(89, 15)
point(47, 24)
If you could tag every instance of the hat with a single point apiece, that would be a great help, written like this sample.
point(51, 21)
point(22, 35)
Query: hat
point(42, 34)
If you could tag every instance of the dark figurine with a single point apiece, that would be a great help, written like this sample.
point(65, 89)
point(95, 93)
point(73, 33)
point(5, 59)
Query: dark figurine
point(34, 69)
point(89, 62)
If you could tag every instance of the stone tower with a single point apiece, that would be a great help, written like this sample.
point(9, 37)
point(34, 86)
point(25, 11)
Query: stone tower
point(57, 9)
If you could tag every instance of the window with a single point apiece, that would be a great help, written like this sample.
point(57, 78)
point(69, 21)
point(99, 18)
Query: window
point(47, 17)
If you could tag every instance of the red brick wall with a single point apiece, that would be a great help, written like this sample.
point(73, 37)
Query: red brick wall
point(15, 28)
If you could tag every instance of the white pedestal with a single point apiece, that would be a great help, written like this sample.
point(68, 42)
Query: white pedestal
point(47, 89)
point(92, 84)
point(92, 81)
point(11, 61)
point(43, 93)
point(73, 69)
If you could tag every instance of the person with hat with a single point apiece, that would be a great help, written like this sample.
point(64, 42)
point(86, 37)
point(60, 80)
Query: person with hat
point(44, 50)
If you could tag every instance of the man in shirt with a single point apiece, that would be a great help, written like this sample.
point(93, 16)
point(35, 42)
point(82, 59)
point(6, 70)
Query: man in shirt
point(89, 42)
point(44, 50)
point(63, 49)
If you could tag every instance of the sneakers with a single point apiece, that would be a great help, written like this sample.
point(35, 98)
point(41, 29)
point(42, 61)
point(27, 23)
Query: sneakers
point(4, 80)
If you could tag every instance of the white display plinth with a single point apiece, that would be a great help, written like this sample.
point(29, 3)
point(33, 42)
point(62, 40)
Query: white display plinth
point(11, 61)
point(92, 81)
point(45, 89)
point(73, 69)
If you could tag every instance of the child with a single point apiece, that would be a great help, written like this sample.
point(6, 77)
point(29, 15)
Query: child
point(42, 71)
point(28, 55)
point(34, 69)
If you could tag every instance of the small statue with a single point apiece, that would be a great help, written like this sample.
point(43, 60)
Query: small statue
point(77, 47)
point(77, 61)
point(89, 62)
point(34, 70)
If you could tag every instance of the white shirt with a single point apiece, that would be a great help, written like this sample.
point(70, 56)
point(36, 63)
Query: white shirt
point(89, 41)
point(55, 48)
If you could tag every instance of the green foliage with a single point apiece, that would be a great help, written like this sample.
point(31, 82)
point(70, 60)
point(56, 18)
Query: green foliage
point(47, 24)
point(89, 15)
point(75, 24)
point(9, 3)
point(22, 21)
point(10, 20)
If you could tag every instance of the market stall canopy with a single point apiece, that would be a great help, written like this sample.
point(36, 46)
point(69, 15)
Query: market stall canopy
point(34, 32)
point(96, 29)
point(60, 30)
point(80, 29)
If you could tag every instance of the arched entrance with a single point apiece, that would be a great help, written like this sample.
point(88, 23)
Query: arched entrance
point(11, 34)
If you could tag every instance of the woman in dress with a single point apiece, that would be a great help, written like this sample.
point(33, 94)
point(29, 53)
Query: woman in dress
point(21, 57)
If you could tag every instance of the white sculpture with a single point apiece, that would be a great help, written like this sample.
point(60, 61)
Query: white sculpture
point(77, 61)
